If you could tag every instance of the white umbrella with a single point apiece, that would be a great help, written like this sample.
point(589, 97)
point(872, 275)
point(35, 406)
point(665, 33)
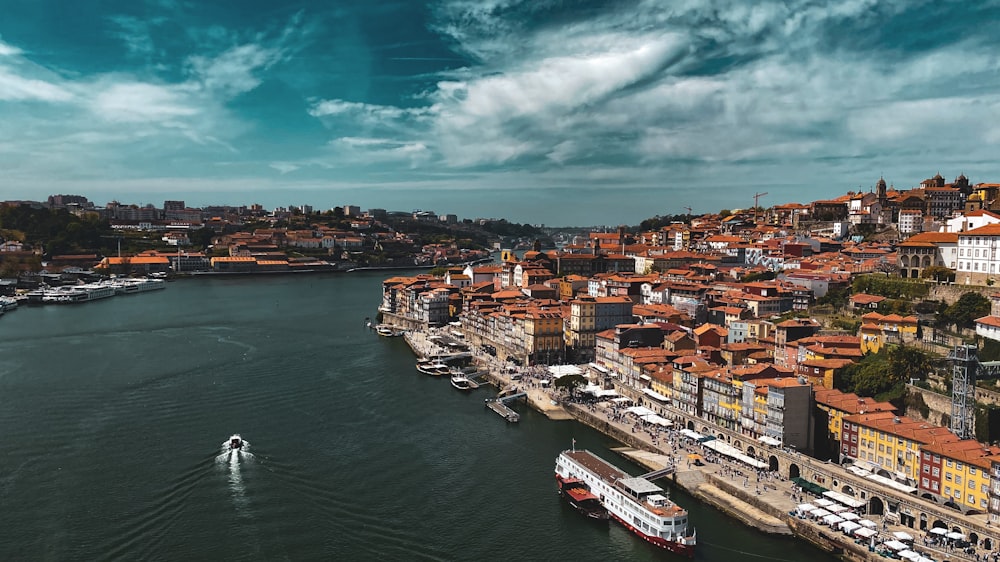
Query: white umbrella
point(956, 536)
point(849, 526)
point(902, 535)
point(848, 516)
point(835, 508)
point(822, 502)
point(895, 545)
point(939, 531)
point(869, 524)
point(806, 507)
point(908, 554)
point(819, 513)
point(832, 519)
point(865, 532)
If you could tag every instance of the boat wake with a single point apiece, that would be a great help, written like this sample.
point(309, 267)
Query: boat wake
point(235, 453)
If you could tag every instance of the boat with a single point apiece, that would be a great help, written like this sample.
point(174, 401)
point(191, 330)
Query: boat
point(8, 303)
point(577, 494)
point(388, 331)
point(235, 442)
point(638, 504)
point(433, 368)
point(462, 382)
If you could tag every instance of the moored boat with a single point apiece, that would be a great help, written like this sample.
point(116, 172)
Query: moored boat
point(433, 368)
point(577, 494)
point(638, 504)
point(463, 382)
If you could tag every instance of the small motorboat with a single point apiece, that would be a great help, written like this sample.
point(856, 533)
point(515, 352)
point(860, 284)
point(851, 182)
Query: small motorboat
point(578, 494)
point(235, 442)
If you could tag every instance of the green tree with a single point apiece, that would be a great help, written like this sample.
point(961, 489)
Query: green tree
point(202, 238)
point(725, 212)
point(963, 312)
point(938, 273)
point(570, 382)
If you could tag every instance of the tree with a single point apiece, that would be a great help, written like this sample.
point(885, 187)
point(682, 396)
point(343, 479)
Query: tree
point(938, 273)
point(570, 382)
point(963, 312)
point(725, 212)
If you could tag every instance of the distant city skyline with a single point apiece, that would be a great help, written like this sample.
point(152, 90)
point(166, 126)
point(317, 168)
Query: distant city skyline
point(582, 113)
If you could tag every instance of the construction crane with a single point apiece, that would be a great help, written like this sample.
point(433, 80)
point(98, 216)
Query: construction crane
point(688, 209)
point(966, 371)
point(756, 197)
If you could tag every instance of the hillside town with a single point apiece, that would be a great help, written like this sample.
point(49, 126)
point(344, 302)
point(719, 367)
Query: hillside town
point(849, 345)
point(750, 325)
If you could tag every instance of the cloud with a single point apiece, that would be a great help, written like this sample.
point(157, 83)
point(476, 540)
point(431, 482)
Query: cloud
point(14, 87)
point(135, 102)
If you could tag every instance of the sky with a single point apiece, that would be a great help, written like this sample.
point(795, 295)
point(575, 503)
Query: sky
point(552, 112)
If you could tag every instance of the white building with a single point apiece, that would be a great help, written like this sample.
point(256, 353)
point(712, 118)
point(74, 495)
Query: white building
point(971, 221)
point(977, 255)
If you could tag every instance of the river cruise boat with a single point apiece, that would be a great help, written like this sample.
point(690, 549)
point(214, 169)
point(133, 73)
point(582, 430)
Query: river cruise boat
point(638, 504)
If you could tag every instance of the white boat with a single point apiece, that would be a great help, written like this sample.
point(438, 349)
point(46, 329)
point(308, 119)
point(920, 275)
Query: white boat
point(433, 368)
point(462, 382)
point(235, 442)
point(8, 303)
point(638, 504)
point(388, 331)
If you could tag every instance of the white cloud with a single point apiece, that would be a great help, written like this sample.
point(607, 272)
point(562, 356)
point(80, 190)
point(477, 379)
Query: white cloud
point(14, 87)
point(138, 102)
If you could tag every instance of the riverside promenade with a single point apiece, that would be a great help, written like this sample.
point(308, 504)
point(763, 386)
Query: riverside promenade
point(758, 498)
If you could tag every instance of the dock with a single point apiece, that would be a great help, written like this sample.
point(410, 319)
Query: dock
point(505, 412)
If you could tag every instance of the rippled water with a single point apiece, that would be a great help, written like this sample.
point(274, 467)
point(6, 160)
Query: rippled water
point(112, 414)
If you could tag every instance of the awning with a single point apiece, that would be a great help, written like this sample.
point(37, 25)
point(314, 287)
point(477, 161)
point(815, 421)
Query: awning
point(902, 535)
point(865, 532)
point(848, 516)
point(956, 536)
point(836, 508)
point(640, 411)
point(848, 526)
point(939, 531)
point(655, 395)
point(732, 452)
point(832, 519)
point(810, 487)
point(822, 502)
point(820, 513)
point(658, 420)
point(849, 501)
point(907, 555)
point(559, 371)
point(895, 545)
point(868, 523)
point(769, 440)
point(622, 400)
point(805, 507)
point(692, 434)
point(891, 483)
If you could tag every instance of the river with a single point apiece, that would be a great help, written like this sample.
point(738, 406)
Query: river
point(112, 416)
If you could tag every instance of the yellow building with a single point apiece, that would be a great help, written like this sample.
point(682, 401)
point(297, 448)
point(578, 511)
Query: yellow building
point(959, 471)
point(543, 331)
point(879, 330)
point(892, 442)
point(837, 405)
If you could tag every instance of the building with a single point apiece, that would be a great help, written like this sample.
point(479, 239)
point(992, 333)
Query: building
point(977, 255)
point(959, 472)
point(891, 442)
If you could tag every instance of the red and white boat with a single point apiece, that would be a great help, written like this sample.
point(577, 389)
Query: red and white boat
point(638, 504)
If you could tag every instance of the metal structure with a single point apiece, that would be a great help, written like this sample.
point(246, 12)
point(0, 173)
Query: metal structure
point(966, 371)
point(756, 198)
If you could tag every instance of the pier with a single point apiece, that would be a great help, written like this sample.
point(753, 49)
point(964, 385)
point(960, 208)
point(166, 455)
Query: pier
point(500, 407)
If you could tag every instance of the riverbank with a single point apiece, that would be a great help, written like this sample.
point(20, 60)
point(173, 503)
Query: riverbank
point(760, 499)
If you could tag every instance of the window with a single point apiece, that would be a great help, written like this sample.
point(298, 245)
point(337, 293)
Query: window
point(936, 472)
point(947, 490)
point(934, 485)
point(972, 484)
point(958, 480)
point(958, 466)
point(937, 459)
point(958, 494)
point(948, 463)
point(972, 471)
point(927, 469)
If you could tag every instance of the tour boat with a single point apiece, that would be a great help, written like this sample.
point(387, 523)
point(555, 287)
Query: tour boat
point(433, 368)
point(638, 504)
point(577, 494)
point(462, 382)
